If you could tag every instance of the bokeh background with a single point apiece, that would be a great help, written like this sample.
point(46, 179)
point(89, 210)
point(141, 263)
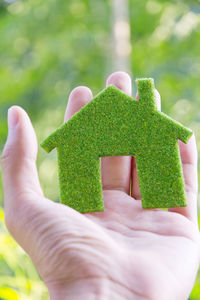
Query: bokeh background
point(49, 47)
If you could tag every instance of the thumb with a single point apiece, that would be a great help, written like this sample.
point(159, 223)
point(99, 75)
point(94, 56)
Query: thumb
point(19, 170)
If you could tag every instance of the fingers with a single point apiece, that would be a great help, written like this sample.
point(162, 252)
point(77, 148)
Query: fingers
point(18, 160)
point(135, 190)
point(188, 154)
point(116, 170)
point(79, 97)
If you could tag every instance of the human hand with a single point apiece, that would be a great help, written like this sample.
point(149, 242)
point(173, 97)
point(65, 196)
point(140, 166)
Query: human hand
point(125, 252)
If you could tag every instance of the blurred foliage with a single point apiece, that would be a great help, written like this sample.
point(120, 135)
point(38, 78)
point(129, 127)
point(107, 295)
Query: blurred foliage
point(18, 278)
point(49, 47)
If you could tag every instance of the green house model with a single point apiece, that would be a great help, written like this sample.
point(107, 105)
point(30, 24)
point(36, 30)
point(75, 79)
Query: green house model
point(114, 124)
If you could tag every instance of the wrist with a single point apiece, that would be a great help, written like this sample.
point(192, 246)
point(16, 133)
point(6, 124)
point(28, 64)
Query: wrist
point(80, 289)
point(94, 288)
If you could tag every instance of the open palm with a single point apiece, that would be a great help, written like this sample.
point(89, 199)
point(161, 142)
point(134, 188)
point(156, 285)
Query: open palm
point(125, 252)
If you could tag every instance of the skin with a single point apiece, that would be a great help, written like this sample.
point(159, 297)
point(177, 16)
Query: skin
point(125, 252)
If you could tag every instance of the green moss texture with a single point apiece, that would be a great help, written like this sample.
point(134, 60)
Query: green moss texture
point(114, 124)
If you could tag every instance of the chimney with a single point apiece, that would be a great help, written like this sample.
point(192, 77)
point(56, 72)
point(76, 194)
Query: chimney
point(146, 92)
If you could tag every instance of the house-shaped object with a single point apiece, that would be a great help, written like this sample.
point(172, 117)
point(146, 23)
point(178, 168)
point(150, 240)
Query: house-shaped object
point(114, 124)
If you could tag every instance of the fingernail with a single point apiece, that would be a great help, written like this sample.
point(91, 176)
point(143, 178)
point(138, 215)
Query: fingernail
point(12, 117)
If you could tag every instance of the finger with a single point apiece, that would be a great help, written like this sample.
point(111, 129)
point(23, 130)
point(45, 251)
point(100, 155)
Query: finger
point(135, 190)
point(19, 170)
point(79, 97)
point(116, 170)
point(188, 154)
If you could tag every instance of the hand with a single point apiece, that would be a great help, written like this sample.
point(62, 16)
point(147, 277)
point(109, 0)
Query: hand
point(125, 252)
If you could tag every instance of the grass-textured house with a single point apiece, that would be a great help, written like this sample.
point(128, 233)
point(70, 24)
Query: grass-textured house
point(114, 124)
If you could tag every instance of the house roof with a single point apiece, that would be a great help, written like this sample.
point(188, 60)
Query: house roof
point(112, 108)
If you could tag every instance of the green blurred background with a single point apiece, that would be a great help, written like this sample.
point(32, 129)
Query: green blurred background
point(49, 47)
